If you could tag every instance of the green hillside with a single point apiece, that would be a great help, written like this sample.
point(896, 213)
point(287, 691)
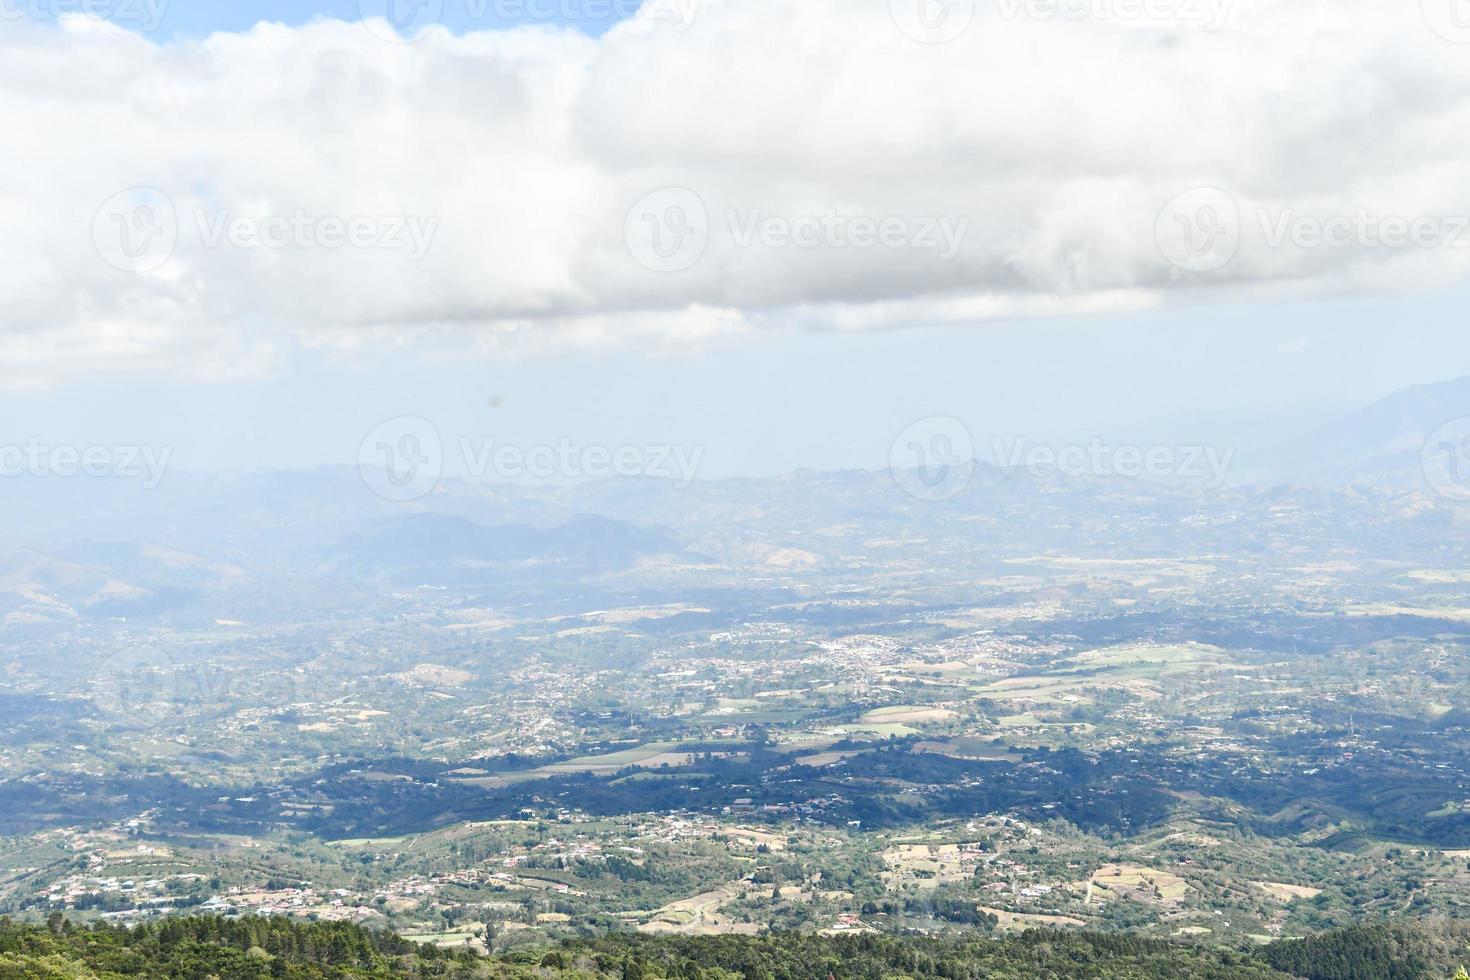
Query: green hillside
point(257, 949)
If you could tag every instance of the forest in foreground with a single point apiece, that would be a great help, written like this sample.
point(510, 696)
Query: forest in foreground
point(257, 949)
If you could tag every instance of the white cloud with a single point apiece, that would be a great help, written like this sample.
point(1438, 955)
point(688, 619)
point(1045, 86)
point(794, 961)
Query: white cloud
point(1052, 141)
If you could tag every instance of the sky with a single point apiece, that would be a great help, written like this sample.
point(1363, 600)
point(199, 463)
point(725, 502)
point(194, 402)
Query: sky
point(805, 400)
point(779, 231)
point(186, 19)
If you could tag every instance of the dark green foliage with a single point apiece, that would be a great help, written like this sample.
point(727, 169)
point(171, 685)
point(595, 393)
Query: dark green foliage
point(1376, 952)
point(231, 949)
point(264, 949)
point(1037, 955)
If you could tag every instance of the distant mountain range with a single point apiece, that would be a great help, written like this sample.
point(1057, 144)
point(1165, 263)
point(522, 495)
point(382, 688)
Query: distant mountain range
point(440, 549)
point(1381, 444)
point(80, 549)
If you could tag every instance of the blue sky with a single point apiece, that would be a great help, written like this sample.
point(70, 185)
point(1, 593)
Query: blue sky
point(619, 251)
point(792, 400)
point(194, 18)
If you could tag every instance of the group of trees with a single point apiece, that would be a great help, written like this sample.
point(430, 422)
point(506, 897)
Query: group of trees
point(263, 949)
point(202, 947)
point(1379, 952)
